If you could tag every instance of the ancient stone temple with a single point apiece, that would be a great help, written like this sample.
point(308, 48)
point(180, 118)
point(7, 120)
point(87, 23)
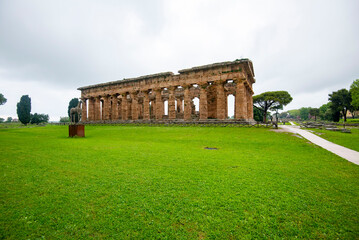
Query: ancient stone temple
point(146, 98)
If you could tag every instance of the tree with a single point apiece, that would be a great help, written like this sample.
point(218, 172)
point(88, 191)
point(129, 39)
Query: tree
point(73, 103)
point(354, 93)
point(64, 119)
point(314, 112)
point(9, 120)
point(24, 109)
point(2, 99)
point(39, 118)
point(268, 100)
point(1, 120)
point(341, 102)
point(304, 113)
point(325, 112)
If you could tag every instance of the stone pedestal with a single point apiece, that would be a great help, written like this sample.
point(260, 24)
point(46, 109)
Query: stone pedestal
point(77, 130)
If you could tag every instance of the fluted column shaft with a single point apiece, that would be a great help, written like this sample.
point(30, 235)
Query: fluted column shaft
point(220, 101)
point(159, 104)
point(97, 109)
point(134, 107)
point(106, 108)
point(171, 104)
point(203, 110)
point(249, 105)
point(187, 104)
point(124, 107)
point(84, 110)
point(146, 106)
point(241, 101)
point(179, 105)
point(114, 108)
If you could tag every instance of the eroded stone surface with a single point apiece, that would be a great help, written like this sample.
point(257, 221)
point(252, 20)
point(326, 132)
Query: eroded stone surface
point(143, 98)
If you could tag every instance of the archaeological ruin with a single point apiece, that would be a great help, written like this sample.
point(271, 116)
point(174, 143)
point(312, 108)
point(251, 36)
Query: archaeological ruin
point(171, 97)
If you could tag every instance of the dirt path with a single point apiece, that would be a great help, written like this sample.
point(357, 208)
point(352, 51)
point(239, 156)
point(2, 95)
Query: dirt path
point(346, 153)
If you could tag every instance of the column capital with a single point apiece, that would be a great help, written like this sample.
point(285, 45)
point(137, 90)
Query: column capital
point(203, 85)
point(219, 82)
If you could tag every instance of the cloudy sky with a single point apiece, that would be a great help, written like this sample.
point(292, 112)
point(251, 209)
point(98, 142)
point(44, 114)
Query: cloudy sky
point(49, 48)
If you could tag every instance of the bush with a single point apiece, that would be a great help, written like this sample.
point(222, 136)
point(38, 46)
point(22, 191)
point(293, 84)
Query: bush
point(39, 118)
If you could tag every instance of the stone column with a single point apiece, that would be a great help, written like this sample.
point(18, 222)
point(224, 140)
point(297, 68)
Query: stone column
point(249, 105)
point(241, 101)
point(171, 103)
point(159, 104)
point(90, 113)
point(97, 109)
point(84, 110)
point(114, 108)
point(203, 110)
point(106, 108)
point(134, 107)
point(187, 104)
point(124, 106)
point(221, 110)
point(179, 105)
point(146, 106)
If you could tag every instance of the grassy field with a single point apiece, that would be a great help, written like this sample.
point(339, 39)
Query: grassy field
point(159, 182)
point(349, 140)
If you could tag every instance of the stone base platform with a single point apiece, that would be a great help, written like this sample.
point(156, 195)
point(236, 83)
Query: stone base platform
point(77, 130)
point(177, 122)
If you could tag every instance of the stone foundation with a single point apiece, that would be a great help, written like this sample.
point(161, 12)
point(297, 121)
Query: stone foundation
point(143, 98)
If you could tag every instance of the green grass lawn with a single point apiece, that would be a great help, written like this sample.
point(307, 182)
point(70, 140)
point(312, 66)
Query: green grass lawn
point(127, 182)
point(349, 140)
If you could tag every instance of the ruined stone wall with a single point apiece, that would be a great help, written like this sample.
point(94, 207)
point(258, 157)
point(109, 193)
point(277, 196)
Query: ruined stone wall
point(143, 98)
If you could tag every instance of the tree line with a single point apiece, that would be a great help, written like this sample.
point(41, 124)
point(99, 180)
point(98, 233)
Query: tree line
point(339, 104)
point(23, 110)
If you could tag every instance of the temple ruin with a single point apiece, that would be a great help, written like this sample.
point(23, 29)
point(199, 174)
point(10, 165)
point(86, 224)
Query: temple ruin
point(144, 99)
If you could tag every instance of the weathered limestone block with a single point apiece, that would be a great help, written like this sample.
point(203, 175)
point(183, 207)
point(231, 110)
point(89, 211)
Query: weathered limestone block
point(143, 97)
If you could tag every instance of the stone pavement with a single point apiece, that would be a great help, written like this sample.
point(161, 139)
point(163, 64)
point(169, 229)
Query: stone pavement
point(346, 153)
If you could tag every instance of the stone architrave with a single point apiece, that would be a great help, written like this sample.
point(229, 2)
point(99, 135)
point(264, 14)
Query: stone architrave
point(118, 106)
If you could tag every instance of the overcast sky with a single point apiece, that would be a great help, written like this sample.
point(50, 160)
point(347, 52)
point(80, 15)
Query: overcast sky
point(49, 48)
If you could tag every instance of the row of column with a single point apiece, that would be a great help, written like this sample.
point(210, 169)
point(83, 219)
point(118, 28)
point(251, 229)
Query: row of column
point(111, 107)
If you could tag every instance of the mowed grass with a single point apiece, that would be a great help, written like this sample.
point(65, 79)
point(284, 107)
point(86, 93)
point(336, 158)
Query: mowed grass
point(126, 182)
point(349, 140)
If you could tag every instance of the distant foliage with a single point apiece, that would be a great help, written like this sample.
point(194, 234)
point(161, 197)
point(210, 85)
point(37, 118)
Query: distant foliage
point(24, 109)
point(2, 99)
point(325, 112)
point(39, 118)
point(314, 112)
point(340, 102)
point(1, 120)
point(271, 101)
point(9, 120)
point(354, 92)
point(64, 119)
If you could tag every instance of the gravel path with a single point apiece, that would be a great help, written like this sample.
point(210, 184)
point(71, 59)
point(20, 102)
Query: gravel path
point(346, 153)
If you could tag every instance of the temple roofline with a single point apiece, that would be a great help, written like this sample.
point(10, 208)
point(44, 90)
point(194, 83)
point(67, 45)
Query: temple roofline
point(167, 74)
